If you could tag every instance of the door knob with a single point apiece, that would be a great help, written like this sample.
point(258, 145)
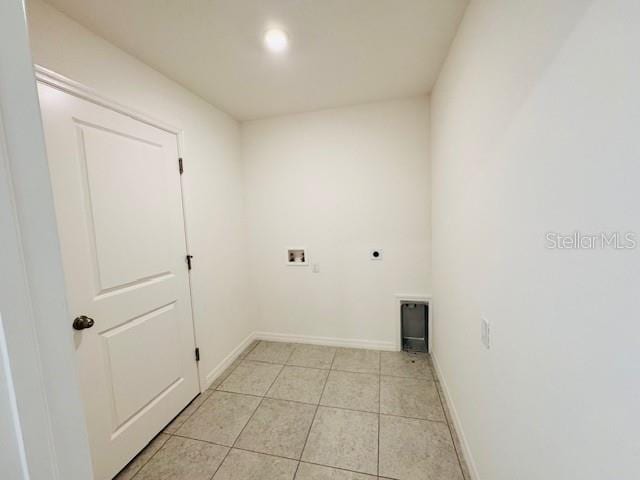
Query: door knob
point(82, 322)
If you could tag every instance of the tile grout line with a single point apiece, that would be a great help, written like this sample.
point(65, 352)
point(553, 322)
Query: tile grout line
point(241, 356)
point(149, 459)
point(252, 415)
point(421, 379)
point(277, 456)
point(448, 423)
point(307, 366)
point(333, 406)
point(319, 405)
point(221, 462)
point(262, 398)
point(230, 448)
point(250, 418)
point(430, 379)
point(315, 413)
point(210, 392)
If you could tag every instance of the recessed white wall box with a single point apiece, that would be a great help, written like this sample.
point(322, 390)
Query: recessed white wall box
point(375, 254)
point(297, 257)
point(410, 297)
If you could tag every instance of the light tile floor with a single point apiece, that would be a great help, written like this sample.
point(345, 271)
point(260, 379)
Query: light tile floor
point(289, 411)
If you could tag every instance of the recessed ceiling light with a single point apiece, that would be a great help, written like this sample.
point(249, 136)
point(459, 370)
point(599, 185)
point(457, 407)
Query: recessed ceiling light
point(276, 40)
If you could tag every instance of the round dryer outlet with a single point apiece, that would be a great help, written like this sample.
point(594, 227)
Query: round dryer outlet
point(375, 254)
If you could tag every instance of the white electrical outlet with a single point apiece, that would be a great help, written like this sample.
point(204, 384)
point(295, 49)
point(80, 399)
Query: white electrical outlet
point(485, 333)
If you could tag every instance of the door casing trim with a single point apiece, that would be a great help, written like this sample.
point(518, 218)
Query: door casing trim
point(80, 90)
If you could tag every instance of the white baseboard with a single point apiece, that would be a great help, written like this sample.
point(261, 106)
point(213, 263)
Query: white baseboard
point(466, 452)
point(228, 360)
point(328, 341)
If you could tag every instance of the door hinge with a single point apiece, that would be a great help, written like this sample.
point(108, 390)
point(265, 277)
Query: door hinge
point(197, 354)
point(189, 257)
point(180, 166)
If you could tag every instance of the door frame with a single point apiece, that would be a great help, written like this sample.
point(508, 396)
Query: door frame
point(41, 412)
point(43, 427)
point(80, 90)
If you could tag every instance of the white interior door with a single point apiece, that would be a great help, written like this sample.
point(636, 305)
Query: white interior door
point(119, 208)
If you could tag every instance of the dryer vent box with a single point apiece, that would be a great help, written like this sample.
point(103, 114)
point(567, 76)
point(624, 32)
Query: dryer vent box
point(415, 326)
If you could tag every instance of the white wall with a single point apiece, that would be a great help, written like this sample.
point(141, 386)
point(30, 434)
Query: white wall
point(339, 182)
point(534, 129)
point(212, 181)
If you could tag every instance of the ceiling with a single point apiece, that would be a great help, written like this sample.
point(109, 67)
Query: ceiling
point(341, 52)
